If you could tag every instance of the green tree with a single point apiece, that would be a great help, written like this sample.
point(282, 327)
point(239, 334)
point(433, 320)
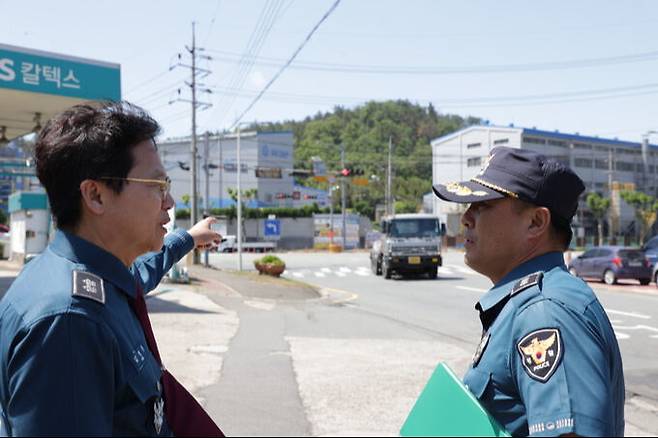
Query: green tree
point(645, 207)
point(599, 207)
point(186, 200)
point(364, 131)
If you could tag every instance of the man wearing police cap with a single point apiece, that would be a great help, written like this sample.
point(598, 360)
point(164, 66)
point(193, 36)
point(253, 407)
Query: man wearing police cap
point(548, 362)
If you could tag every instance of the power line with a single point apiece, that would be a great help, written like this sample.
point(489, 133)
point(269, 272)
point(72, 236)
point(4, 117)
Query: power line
point(264, 24)
point(290, 60)
point(434, 70)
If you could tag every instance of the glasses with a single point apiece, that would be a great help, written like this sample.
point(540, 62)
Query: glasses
point(165, 184)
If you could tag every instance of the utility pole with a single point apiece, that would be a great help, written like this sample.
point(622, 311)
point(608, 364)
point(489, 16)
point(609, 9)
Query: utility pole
point(206, 198)
point(195, 208)
point(645, 162)
point(342, 191)
point(220, 171)
point(196, 73)
point(389, 179)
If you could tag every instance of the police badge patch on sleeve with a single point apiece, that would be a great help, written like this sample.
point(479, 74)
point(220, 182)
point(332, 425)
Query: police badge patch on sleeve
point(541, 352)
point(88, 285)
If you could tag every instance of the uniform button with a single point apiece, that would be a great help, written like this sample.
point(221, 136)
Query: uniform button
point(158, 386)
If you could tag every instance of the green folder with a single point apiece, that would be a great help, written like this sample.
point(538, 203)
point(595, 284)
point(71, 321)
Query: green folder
point(447, 408)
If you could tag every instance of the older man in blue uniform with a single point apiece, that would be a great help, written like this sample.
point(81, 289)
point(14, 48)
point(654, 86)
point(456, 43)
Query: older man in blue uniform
point(548, 362)
point(76, 350)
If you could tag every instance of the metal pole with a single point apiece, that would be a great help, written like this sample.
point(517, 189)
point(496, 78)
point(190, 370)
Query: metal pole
point(239, 170)
point(206, 200)
point(331, 212)
point(193, 215)
point(342, 192)
point(220, 172)
point(389, 182)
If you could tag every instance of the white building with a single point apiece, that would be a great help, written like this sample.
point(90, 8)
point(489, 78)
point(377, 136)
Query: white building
point(601, 163)
point(266, 165)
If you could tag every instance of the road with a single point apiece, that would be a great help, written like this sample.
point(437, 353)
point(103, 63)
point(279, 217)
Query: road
point(435, 318)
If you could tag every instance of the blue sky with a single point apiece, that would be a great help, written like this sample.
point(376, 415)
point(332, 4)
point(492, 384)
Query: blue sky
point(587, 66)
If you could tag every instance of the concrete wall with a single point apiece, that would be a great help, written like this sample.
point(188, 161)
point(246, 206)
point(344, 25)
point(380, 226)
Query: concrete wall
point(296, 233)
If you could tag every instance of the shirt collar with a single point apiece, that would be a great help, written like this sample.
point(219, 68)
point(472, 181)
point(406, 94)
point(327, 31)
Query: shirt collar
point(95, 259)
point(496, 294)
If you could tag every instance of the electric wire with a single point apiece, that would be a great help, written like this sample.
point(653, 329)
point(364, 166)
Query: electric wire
point(448, 70)
point(290, 60)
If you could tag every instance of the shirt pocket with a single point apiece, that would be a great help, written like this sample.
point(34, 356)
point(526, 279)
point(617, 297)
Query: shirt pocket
point(478, 382)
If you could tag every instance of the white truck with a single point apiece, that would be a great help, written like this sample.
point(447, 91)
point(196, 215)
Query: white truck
point(230, 244)
point(409, 244)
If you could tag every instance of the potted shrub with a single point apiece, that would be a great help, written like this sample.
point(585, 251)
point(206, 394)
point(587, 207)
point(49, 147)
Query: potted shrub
point(270, 265)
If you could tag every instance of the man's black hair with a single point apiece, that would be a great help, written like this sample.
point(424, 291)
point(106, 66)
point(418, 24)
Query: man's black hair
point(88, 141)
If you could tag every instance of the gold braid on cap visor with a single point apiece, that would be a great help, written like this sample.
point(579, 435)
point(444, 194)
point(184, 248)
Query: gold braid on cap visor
point(495, 187)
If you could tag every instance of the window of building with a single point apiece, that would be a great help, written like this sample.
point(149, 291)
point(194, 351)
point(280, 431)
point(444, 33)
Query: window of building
point(582, 146)
point(534, 140)
point(474, 162)
point(625, 166)
point(501, 141)
point(601, 164)
point(560, 143)
point(583, 162)
point(473, 145)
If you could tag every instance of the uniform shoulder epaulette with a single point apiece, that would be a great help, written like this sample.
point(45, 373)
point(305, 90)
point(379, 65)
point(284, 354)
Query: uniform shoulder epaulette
point(526, 282)
point(88, 285)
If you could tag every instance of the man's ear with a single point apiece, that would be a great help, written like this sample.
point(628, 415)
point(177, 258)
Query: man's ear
point(540, 221)
point(94, 196)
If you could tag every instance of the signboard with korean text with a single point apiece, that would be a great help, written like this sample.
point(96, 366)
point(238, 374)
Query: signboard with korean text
point(272, 229)
point(49, 73)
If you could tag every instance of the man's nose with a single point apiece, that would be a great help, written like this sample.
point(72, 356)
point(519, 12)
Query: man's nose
point(467, 218)
point(168, 201)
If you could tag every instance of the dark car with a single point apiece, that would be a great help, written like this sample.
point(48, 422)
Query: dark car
point(612, 263)
point(651, 251)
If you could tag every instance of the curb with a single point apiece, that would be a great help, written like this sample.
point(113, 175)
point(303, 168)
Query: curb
point(337, 296)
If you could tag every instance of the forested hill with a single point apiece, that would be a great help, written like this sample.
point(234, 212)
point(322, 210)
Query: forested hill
point(365, 131)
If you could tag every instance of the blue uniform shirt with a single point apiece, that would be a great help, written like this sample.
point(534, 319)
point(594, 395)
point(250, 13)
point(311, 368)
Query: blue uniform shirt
point(548, 362)
point(73, 356)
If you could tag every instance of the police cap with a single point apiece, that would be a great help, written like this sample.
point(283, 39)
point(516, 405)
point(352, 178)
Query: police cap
point(525, 175)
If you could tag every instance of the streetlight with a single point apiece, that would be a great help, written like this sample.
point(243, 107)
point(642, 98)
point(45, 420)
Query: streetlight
point(239, 170)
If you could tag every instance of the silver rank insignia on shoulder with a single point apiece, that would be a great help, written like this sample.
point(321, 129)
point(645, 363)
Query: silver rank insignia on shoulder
point(158, 414)
point(88, 285)
point(526, 282)
point(481, 346)
point(541, 352)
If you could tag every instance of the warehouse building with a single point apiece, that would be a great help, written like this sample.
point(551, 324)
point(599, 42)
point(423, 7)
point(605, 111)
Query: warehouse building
point(607, 166)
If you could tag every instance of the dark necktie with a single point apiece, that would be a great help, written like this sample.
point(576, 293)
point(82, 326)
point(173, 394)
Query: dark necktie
point(185, 416)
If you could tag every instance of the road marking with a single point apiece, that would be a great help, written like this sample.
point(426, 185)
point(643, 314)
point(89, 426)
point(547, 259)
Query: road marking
point(327, 270)
point(632, 315)
point(445, 271)
point(637, 327)
point(363, 273)
point(319, 274)
point(462, 269)
point(341, 274)
point(298, 275)
point(472, 289)
point(344, 269)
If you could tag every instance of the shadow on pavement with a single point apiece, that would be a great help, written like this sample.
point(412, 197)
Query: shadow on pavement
point(158, 305)
point(424, 278)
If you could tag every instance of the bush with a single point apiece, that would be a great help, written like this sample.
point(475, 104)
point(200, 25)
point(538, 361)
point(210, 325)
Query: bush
point(270, 260)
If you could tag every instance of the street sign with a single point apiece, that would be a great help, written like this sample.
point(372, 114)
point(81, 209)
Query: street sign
point(272, 229)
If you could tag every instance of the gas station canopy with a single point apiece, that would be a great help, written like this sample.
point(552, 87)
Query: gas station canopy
point(35, 85)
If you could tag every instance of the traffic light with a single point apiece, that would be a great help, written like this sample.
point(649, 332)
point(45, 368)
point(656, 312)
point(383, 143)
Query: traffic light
point(351, 171)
